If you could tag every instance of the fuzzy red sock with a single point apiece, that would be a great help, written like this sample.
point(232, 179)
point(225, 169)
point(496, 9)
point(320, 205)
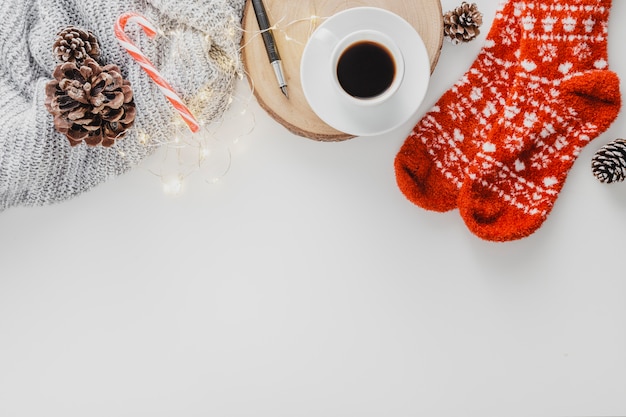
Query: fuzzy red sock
point(432, 163)
point(563, 97)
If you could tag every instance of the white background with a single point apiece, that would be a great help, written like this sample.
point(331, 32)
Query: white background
point(304, 284)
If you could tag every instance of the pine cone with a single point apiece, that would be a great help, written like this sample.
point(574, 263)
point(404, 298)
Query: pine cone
point(462, 24)
point(609, 162)
point(90, 103)
point(74, 44)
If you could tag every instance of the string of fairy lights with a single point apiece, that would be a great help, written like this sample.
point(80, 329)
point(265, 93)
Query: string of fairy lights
point(208, 153)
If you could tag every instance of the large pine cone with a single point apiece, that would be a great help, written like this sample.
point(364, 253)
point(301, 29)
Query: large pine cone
point(90, 103)
point(463, 23)
point(74, 44)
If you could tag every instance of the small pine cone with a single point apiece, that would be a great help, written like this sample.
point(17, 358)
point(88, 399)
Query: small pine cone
point(463, 23)
point(75, 45)
point(90, 103)
point(609, 162)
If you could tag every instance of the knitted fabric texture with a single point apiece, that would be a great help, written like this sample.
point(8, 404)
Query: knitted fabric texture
point(500, 143)
point(199, 56)
point(563, 97)
point(432, 163)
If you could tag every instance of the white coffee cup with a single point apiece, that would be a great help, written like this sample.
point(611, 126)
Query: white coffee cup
point(367, 67)
point(398, 94)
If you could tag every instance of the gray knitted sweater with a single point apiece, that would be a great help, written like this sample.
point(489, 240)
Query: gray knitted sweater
point(197, 54)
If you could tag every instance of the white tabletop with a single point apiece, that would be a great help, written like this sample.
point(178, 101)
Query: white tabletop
point(304, 284)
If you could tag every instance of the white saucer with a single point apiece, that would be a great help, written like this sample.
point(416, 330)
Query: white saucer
point(348, 117)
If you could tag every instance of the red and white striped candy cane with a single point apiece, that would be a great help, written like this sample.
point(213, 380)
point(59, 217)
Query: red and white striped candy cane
point(145, 63)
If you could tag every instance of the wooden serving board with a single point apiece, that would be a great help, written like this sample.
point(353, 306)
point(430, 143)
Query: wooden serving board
point(293, 23)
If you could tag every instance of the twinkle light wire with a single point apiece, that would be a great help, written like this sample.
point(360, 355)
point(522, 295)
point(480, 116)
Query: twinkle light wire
point(183, 154)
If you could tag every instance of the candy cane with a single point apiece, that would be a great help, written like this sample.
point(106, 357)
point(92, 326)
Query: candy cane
point(145, 63)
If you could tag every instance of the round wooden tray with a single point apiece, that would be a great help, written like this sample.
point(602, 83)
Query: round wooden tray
point(293, 23)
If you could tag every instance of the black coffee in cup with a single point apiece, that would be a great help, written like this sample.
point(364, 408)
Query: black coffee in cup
point(365, 69)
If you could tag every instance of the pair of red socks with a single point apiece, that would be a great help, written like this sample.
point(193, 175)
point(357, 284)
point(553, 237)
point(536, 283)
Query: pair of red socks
point(499, 144)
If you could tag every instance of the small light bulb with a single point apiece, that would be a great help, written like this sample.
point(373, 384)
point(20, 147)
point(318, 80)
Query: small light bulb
point(143, 138)
point(173, 186)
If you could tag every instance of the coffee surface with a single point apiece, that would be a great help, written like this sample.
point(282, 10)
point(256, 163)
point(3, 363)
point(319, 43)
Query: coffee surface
point(365, 69)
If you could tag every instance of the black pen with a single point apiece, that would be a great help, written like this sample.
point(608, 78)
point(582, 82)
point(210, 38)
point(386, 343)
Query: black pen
point(270, 44)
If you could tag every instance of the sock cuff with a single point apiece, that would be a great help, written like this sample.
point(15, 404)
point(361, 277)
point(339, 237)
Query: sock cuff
point(575, 7)
point(599, 8)
point(590, 3)
point(582, 22)
point(560, 5)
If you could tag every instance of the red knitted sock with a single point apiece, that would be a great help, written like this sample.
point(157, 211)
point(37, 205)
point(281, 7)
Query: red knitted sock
point(432, 162)
point(563, 97)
